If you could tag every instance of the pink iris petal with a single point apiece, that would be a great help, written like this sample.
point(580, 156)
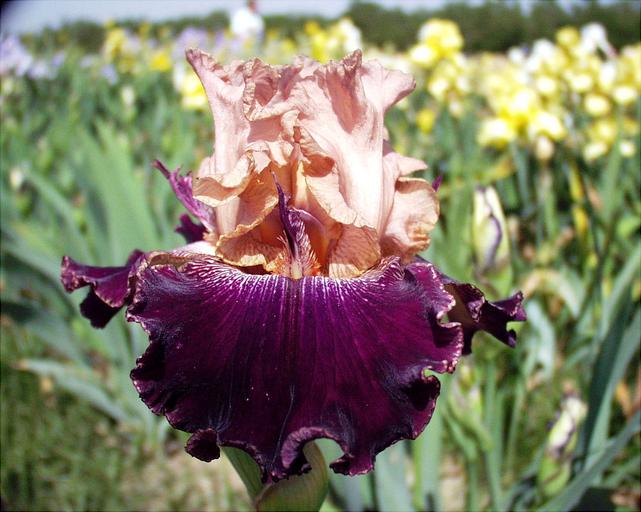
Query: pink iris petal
point(320, 129)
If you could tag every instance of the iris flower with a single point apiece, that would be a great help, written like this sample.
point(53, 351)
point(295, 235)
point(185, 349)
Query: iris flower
point(298, 309)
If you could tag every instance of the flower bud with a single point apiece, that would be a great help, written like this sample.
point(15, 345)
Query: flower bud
point(489, 231)
point(555, 468)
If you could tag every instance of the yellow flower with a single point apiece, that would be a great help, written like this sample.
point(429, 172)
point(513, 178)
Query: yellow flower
point(547, 86)
point(604, 130)
point(547, 124)
point(594, 150)
point(193, 94)
point(340, 38)
point(438, 87)
point(438, 39)
point(425, 120)
point(568, 37)
point(160, 60)
point(543, 148)
point(114, 42)
point(423, 55)
point(596, 105)
point(442, 35)
point(520, 107)
point(627, 148)
point(496, 132)
point(624, 95)
point(312, 28)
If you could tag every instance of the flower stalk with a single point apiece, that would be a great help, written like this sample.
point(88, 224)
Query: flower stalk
point(304, 492)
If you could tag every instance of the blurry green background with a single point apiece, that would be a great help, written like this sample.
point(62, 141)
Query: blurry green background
point(532, 119)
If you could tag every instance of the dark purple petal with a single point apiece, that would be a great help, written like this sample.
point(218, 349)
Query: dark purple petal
point(111, 287)
point(191, 231)
point(266, 363)
point(473, 311)
point(300, 260)
point(182, 188)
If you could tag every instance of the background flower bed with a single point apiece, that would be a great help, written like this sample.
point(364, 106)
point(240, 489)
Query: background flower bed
point(553, 127)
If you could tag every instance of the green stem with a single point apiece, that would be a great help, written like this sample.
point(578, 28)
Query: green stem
point(493, 421)
point(514, 426)
point(520, 160)
point(297, 493)
point(425, 451)
point(472, 486)
point(247, 469)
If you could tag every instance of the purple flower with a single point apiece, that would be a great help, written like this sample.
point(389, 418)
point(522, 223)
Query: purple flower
point(298, 308)
point(14, 57)
point(108, 71)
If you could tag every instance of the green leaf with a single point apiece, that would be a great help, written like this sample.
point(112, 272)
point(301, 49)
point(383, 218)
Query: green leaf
point(609, 368)
point(46, 326)
point(392, 492)
point(79, 383)
point(246, 468)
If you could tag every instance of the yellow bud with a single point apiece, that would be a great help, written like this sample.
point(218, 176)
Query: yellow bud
point(547, 86)
point(547, 124)
point(596, 105)
point(627, 148)
point(422, 55)
point(425, 120)
point(543, 148)
point(580, 82)
point(624, 95)
point(160, 61)
point(438, 87)
point(497, 132)
point(594, 150)
point(568, 37)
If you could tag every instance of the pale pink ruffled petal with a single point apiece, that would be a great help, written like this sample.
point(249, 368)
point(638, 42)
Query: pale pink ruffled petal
point(319, 130)
point(248, 250)
point(251, 207)
point(357, 250)
point(386, 87)
point(224, 86)
point(414, 214)
point(400, 165)
point(243, 150)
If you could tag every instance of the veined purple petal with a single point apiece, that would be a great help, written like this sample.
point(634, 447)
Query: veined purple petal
point(191, 231)
point(182, 188)
point(111, 287)
point(473, 311)
point(266, 363)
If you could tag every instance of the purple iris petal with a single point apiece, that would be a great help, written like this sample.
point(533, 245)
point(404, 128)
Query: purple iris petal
point(181, 186)
point(474, 312)
point(111, 287)
point(190, 230)
point(266, 363)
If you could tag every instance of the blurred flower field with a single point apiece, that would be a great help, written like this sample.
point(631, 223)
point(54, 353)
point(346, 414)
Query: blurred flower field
point(538, 152)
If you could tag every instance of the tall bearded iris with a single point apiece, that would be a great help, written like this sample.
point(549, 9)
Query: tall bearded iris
point(298, 308)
